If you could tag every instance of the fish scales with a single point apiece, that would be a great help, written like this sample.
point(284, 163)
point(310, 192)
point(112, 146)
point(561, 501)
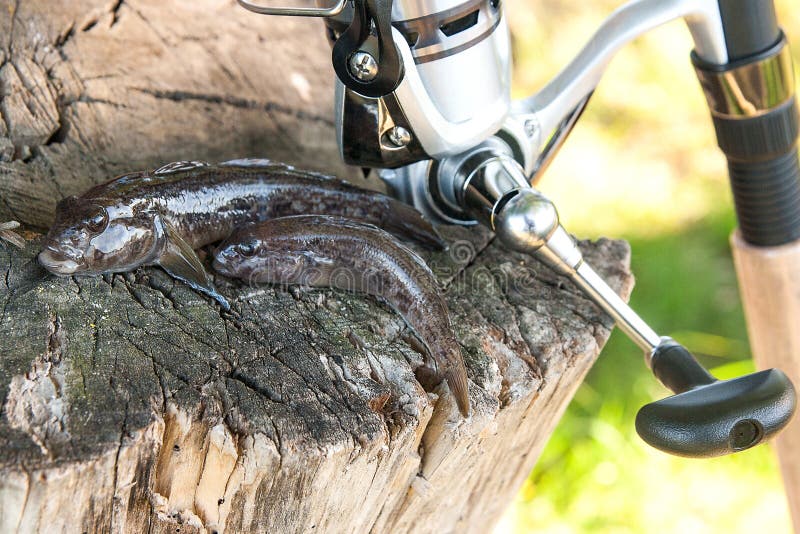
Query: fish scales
point(199, 200)
point(159, 217)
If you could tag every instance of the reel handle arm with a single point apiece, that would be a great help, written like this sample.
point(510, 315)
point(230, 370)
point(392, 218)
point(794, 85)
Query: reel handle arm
point(706, 416)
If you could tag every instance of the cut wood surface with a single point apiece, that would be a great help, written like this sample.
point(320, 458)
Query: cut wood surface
point(130, 403)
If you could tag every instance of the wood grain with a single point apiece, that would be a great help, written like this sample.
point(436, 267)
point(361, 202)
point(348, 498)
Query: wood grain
point(769, 281)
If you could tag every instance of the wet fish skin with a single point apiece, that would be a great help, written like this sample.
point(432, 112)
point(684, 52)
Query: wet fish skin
point(329, 251)
point(158, 217)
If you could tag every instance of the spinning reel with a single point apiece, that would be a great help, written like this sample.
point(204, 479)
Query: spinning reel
point(423, 96)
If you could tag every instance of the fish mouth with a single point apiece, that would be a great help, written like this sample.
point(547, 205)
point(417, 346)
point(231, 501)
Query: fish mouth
point(222, 266)
point(57, 263)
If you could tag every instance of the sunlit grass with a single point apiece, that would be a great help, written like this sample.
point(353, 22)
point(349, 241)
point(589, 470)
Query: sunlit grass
point(642, 165)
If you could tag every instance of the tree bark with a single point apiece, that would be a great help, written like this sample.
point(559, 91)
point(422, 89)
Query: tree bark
point(131, 403)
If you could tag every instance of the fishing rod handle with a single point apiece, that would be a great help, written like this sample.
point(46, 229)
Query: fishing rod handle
point(754, 110)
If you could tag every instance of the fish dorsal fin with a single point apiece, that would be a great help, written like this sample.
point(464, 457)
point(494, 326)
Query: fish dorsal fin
point(178, 166)
point(181, 262)
point(253, 162)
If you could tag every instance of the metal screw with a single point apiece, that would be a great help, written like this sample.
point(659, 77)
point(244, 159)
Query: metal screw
point(531, 127)
point(399, 136)
point(363, 66)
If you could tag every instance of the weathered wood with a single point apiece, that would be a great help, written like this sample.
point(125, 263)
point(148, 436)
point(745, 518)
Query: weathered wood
point(95, 88)
point(769, 284)
point(130, 402)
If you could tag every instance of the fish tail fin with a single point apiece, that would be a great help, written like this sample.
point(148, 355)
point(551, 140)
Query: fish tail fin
point(181, 262)
point(457, 381)
point(404, 221)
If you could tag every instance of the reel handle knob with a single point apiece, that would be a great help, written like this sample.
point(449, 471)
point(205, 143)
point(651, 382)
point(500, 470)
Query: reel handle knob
point(709, 417)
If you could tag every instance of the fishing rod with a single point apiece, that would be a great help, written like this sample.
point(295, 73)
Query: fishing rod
point(423, 96)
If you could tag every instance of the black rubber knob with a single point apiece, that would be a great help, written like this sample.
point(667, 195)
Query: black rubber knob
point(765, 174)
point(709, 417)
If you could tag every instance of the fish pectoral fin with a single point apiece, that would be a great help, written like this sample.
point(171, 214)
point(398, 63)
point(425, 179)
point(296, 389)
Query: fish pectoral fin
point(181, 262)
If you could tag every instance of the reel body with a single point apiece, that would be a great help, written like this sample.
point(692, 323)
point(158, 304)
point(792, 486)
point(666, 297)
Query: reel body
point(443, 103)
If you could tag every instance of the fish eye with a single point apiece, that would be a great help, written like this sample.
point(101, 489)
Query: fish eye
point(97, 220)
point(246, 249)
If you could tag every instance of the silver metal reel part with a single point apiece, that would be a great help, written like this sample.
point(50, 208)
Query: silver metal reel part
point(494, 189)
point(547, 116)
point(289, 11)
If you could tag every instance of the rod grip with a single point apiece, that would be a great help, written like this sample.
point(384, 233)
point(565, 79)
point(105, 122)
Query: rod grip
point(764, 173)
point(754, 110)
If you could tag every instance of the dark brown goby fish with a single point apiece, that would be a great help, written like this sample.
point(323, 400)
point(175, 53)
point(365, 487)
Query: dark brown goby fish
point(326, 251)
point(159, 217)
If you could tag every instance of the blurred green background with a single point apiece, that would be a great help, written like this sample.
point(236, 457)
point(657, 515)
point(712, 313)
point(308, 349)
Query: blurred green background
point(642, 164)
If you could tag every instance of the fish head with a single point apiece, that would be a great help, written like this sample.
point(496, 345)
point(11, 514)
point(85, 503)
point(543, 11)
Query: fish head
point(89, 237)
point(256, 257)
point(238, 257)
point(263, 254)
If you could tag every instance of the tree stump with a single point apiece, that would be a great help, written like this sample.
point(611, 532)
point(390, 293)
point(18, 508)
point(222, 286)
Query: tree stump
point(131, 403)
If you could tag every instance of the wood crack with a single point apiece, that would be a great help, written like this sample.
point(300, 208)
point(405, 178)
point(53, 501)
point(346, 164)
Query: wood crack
point(114, 484)
point(236, 102)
